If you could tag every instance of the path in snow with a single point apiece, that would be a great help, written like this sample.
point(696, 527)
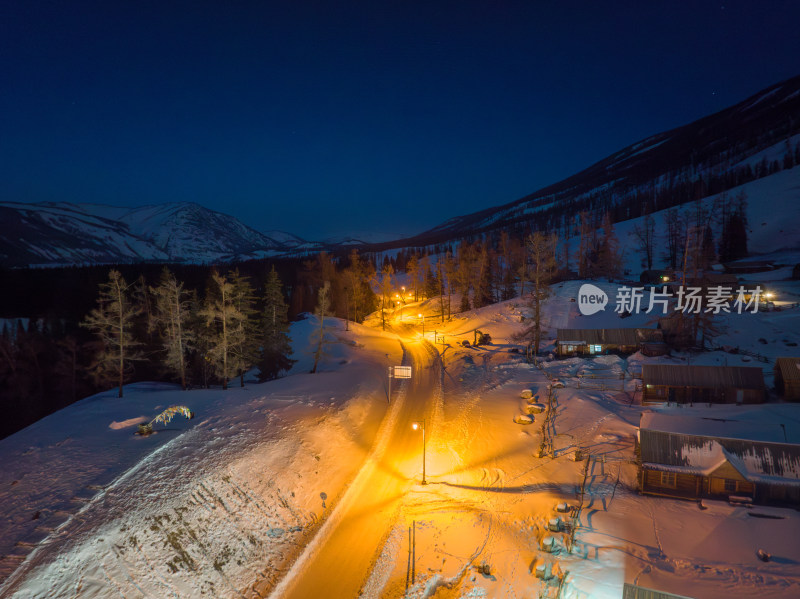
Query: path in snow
point(338, 561)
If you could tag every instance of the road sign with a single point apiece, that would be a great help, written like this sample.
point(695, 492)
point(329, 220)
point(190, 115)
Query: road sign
point(401, 372)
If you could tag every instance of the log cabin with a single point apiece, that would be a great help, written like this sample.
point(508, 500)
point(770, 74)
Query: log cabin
point(694, 458)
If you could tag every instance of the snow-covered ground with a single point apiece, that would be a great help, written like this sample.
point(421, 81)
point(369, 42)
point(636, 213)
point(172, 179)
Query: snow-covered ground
point(203, 507)
point(220, 506)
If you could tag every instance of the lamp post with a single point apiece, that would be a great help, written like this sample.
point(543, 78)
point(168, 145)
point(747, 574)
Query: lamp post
point(422, 316)
point(416, 426)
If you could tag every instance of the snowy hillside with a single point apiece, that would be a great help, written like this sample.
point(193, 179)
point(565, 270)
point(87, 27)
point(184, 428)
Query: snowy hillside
point(773, 214)
point(201, 507)
point(747, 141)
point(231, 503)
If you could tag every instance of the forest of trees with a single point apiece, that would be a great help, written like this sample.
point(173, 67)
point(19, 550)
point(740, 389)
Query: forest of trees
point(99, 333)
point(74, 331)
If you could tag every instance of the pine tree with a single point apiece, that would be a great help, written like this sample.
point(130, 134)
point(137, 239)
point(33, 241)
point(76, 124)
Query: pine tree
point(431, 282)
point(169, 316)
point(385, 284)
point(112, 321)
point(676, 236)
point(275, 342)
point(708, 254)
point(733, 241)
point(609, 258)
point(584, 245)
point(450, 272)
point(464, 275)
point(412, 268)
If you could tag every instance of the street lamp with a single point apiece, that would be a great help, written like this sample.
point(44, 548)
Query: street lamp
point(422, 316)
point(417, 426)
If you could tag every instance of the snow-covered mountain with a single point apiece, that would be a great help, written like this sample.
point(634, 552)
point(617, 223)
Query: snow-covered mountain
point(56, 233)
point(748, 141)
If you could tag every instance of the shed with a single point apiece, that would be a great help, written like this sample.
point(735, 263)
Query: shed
point(572, 342)
point(787, 378)
point(693, 457)
point(702, 384)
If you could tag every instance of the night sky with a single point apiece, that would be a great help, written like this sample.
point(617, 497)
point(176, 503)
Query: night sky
point(374, 117)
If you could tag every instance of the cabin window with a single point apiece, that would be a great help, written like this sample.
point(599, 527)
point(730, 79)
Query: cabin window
point(596, 349)
point(730, 486)
point(668, 479)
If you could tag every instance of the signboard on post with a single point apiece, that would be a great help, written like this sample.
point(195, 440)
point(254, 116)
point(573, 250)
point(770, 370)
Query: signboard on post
point(401, 372)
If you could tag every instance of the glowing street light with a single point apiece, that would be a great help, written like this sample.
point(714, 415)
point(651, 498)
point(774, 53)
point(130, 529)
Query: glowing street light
point(417, 426)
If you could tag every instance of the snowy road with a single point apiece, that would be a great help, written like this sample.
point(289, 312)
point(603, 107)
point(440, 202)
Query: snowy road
point(338, 561)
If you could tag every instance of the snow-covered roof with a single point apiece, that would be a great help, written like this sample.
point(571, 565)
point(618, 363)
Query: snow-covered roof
point(619, 336)
point(678, 375)
point(723, 428)
point(701, 445)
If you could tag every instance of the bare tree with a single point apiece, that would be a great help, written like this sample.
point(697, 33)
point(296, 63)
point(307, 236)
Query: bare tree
point(170, 315)
point(112, 321)
point(384, 284)
point(323, 308)
point(542, 264)
point(645, 235)
point(222, 319)
point(245, 339)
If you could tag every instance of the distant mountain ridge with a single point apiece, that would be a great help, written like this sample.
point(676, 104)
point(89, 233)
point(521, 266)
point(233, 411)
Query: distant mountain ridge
point(711, 155)
point(707, 156)
point(56, 233)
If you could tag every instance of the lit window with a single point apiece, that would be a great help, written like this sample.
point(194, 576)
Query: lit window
point(597, 349)
point(668, 479)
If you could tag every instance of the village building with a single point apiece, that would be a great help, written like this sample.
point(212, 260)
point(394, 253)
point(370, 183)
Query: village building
point(590, 342)
point(751, 266)
point(787, 378)
point(702, 384)
point(738, 460)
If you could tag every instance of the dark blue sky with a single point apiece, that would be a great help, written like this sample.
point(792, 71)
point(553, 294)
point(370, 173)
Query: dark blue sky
point(323, 118)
